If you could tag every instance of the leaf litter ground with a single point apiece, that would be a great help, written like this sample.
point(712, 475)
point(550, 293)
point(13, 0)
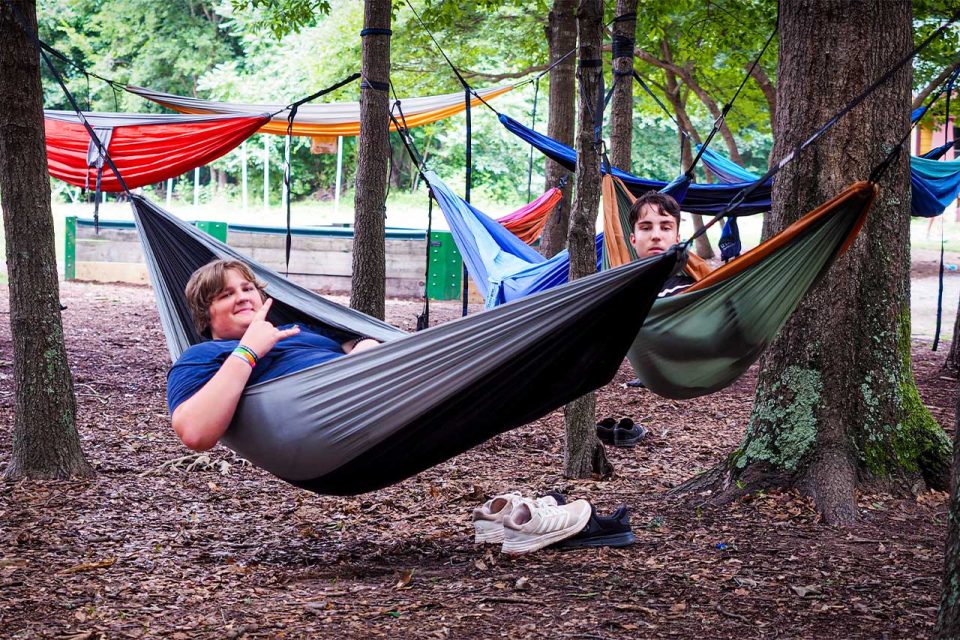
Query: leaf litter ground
point(166, 544)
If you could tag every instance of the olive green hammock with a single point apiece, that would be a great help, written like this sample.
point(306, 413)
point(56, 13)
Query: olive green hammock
point(703, 339)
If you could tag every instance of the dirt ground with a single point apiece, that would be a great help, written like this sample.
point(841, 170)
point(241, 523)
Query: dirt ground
point(159, 545)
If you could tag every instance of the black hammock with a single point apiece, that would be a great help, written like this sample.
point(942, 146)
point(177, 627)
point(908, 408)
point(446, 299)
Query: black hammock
point(363, 422)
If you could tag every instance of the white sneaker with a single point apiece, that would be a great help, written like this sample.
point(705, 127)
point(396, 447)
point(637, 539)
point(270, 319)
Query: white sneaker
point(488, 519)
point(530, 526)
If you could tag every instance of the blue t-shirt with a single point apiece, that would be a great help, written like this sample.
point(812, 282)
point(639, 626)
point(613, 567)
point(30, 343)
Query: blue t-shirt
point(201, 362)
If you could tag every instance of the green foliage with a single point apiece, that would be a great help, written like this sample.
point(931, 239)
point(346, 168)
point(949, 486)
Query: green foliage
point(284, 16)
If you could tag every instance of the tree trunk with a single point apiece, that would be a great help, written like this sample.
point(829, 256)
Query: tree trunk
point(702, 243)
point(583, 453)
point(836, 401)
point(368, 286)
point(562, 38)
point(953, 357)
point(948, 619)
point(45, 439)
point(621, 108)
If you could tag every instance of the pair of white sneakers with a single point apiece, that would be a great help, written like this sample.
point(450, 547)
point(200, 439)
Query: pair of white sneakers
point(524, 525)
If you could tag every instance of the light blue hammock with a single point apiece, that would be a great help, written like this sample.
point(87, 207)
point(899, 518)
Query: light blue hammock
point(502, 266)
point(935, 183)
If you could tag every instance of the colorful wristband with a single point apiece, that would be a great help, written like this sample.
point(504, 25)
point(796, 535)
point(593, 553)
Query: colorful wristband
point(246, 354)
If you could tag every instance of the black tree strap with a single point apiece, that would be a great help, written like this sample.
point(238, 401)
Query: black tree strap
point(591, 63)
point(625, 17)
point(76, 65)
point(375, 85)
point(643, 85)
point(718, 123)
point(622, 46)
point(375, 31)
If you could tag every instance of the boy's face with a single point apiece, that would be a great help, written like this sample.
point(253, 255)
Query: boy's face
point(654, 232)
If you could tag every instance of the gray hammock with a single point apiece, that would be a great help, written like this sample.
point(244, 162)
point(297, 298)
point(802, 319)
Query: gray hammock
point(363, 422)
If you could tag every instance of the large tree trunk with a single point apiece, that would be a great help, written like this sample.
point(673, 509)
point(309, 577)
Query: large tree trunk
point(45, 439)
point(562, 38)
point(702, 243)
point(621, 108)
point(583, 453)
point(948, 619)
point(836, 401)
point(368, 286)
point(953, 357)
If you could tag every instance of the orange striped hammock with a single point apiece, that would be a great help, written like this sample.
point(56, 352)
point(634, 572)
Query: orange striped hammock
point(704, 338)
point(527, 223)
point(325, 121)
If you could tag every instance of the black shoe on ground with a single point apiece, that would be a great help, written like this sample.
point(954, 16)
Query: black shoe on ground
point(605, 430)
point(628, 434)
point(609, 531)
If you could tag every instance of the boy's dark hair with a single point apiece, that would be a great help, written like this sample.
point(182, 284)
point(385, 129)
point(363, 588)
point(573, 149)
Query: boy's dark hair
point(661, 201)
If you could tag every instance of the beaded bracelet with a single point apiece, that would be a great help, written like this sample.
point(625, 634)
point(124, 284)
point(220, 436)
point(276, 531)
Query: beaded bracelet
point(246, 354)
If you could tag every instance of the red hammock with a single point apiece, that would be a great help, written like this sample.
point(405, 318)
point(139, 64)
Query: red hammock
point(146, 148)
point(527, 222)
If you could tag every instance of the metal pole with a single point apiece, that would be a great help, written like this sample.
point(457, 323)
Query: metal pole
point(196, 187)
point(169, 191)
point(336, 191)
point(289, 169)
point(243, 174)
point(266, 173)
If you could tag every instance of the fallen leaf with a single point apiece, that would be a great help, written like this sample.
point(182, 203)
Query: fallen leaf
point(88, 566)
point(406, 577)
point(809, 590)
point(480, 564)
point(678, 607)
point(522, 584)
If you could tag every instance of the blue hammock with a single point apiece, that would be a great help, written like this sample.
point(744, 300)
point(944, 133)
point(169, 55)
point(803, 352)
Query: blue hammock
point(707, 199)
point(935, 183)
point(502, 266)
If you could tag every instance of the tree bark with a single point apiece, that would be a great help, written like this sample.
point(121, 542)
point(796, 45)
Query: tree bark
point(702, 243)
point(836, 402)
point(368, 286)
point(621, 108)
point(769, 90)
point(953, 357)
point(561, 34)
point(948, 618)
point(45, 439)
point(583, 453)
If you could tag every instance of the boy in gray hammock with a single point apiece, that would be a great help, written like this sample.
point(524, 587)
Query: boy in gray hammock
point(229, 306)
